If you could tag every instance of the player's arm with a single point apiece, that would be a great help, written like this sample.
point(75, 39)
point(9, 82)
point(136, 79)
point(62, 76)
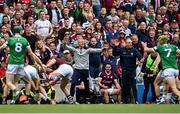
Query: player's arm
point(3, 46)
point(146, 49)
point(51, 63)
point(35, 58)
point(117, 84)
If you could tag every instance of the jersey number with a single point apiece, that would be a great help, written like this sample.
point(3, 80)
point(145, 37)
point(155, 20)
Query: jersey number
point(168, 52)
point(18, 47)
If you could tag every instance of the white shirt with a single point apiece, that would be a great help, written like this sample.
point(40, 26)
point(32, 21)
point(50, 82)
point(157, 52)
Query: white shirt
point(43, 27)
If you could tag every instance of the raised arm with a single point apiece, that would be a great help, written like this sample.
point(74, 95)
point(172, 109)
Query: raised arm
point(3, 46)
point(146, 49)
point(70, 48)
point(95, 50)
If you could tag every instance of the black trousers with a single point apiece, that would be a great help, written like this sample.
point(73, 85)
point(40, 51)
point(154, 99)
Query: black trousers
point(128, 83)
point(148, 81)
point(83, 76)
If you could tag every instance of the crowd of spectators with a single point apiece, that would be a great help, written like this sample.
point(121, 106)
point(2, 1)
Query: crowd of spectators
point(101, 39)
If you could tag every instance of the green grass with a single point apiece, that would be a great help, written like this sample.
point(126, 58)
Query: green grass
point(98, 108)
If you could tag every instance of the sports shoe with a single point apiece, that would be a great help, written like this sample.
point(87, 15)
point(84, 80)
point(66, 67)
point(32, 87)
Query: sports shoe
point(17, 96)
point(162, 101)
point(12, 102)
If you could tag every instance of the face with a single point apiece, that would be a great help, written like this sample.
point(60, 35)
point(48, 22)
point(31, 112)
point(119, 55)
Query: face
point(86, 6)
point(53, 4)
point(18, 15)
point(30, 20)
point(52, 47)
point(170, 7)
point(108, 67)
point(152, 34)
point(129, 43)
point(142, 26)
point(67, 55)
point(116, 27)
point(31, 7)
point(24, 6)
point(43, 15)
point(18, 6)
point(66, 23)
point(110, 52)
point(4, 29)
point(39, 3)
point(125, 23)
point(134, 39)
point(176, 38)
point(93, 41)
point(98, 25)
point(74, 27)
point(40, 44)
point(28, 30)
point(6, 10)
point(78, 29)
point(166, 27)
point(6, 36)
point(69, 4)
point(66, 11)
point(109, 24)
point(113, 11)
point(81, 42)
point(103, 11)
point(81, 4)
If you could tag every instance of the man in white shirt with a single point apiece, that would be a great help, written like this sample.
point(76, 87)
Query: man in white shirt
point(43, 26)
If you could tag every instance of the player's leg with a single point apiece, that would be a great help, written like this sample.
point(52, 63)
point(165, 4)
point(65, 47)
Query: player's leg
point(117, 92)
point(157, 83)
point(178, 83)
point(10, 72)
point(65, 71)
point(172, 84)
point(105, 94)
point(171, 80)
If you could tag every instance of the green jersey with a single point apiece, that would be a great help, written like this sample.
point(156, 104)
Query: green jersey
point(168, 55)
point(17, 47)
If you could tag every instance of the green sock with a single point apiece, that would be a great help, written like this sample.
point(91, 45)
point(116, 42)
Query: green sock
point(14, 94)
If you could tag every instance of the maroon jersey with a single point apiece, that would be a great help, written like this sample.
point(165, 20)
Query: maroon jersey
point(107, 79)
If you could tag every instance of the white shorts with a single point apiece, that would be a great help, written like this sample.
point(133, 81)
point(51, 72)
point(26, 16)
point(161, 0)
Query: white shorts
point(170, 73)
point(31, 72)
point(16, 70)
point(65, 70)
point(110, 91)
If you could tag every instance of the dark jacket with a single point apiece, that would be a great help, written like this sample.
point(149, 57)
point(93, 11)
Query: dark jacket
point(50, 14)
point(128, 57)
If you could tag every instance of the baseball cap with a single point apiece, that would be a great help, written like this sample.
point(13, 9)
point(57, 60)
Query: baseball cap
point(122, 32)
point(66, 51)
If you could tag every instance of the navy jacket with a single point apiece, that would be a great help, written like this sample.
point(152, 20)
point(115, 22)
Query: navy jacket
point(128, 57)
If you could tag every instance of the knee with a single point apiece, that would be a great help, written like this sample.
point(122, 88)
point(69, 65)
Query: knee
point(105, 92)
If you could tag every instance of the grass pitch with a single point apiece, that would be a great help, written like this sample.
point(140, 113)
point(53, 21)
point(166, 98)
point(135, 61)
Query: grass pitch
point(92, 108)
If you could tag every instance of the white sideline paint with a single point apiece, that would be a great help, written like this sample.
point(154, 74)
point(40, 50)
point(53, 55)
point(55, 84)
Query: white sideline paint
point(90, 113)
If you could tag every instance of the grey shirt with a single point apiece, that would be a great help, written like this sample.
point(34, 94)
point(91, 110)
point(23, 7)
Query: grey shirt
point(81, 56)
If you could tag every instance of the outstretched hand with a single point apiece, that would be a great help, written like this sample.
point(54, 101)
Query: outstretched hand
point(144, 44)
